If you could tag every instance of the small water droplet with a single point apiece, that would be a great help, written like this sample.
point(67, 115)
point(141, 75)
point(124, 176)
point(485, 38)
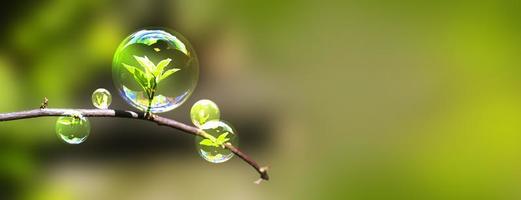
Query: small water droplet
point(73, 128)
point(101, 98)
point(203, 111)
point(213, 150)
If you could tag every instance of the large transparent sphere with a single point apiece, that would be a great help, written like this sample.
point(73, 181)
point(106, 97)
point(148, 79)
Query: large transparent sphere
point(155, 70)
point(212, 150)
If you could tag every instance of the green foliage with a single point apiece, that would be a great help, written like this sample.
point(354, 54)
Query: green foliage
point(217, 142)
point(203, 117)
point(168, 73)
point(70, 120)
point(101, 98)
point(216, 157)
point(203, 111)
point(153, 74)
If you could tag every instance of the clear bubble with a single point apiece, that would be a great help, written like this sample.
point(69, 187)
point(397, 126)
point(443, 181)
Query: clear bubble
point(155, 70)
point(212, 149)
point(73, 128)
point(203, 111)
point(101, 98)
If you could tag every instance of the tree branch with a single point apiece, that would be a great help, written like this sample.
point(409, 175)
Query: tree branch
point(162, 121)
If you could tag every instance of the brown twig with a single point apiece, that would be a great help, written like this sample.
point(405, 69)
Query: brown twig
point(132, 115)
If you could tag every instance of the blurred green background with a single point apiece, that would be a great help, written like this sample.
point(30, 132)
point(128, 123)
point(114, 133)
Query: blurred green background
point(344, 100)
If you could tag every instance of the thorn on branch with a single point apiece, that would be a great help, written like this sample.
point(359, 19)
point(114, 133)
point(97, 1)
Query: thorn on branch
point(45, 103)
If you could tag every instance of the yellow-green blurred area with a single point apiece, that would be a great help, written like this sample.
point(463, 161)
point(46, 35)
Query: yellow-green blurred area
point(343, 100)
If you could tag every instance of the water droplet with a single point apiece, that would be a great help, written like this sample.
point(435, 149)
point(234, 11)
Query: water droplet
point(212, 149)
point(101, 98)
point(73, 128)
point(155, 69)
point(203, 111)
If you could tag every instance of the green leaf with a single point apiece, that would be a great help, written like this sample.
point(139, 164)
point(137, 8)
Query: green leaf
point(65, 120)
point(216, 157)
point(222, 138)
point(161, 66)
point(146, 63)
point(139, 76)
point(208, 142)
point(130, 69)
point(100, 98)
point(143, 79)
point(203, 117)
point(168, 73)
point(151, 81)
